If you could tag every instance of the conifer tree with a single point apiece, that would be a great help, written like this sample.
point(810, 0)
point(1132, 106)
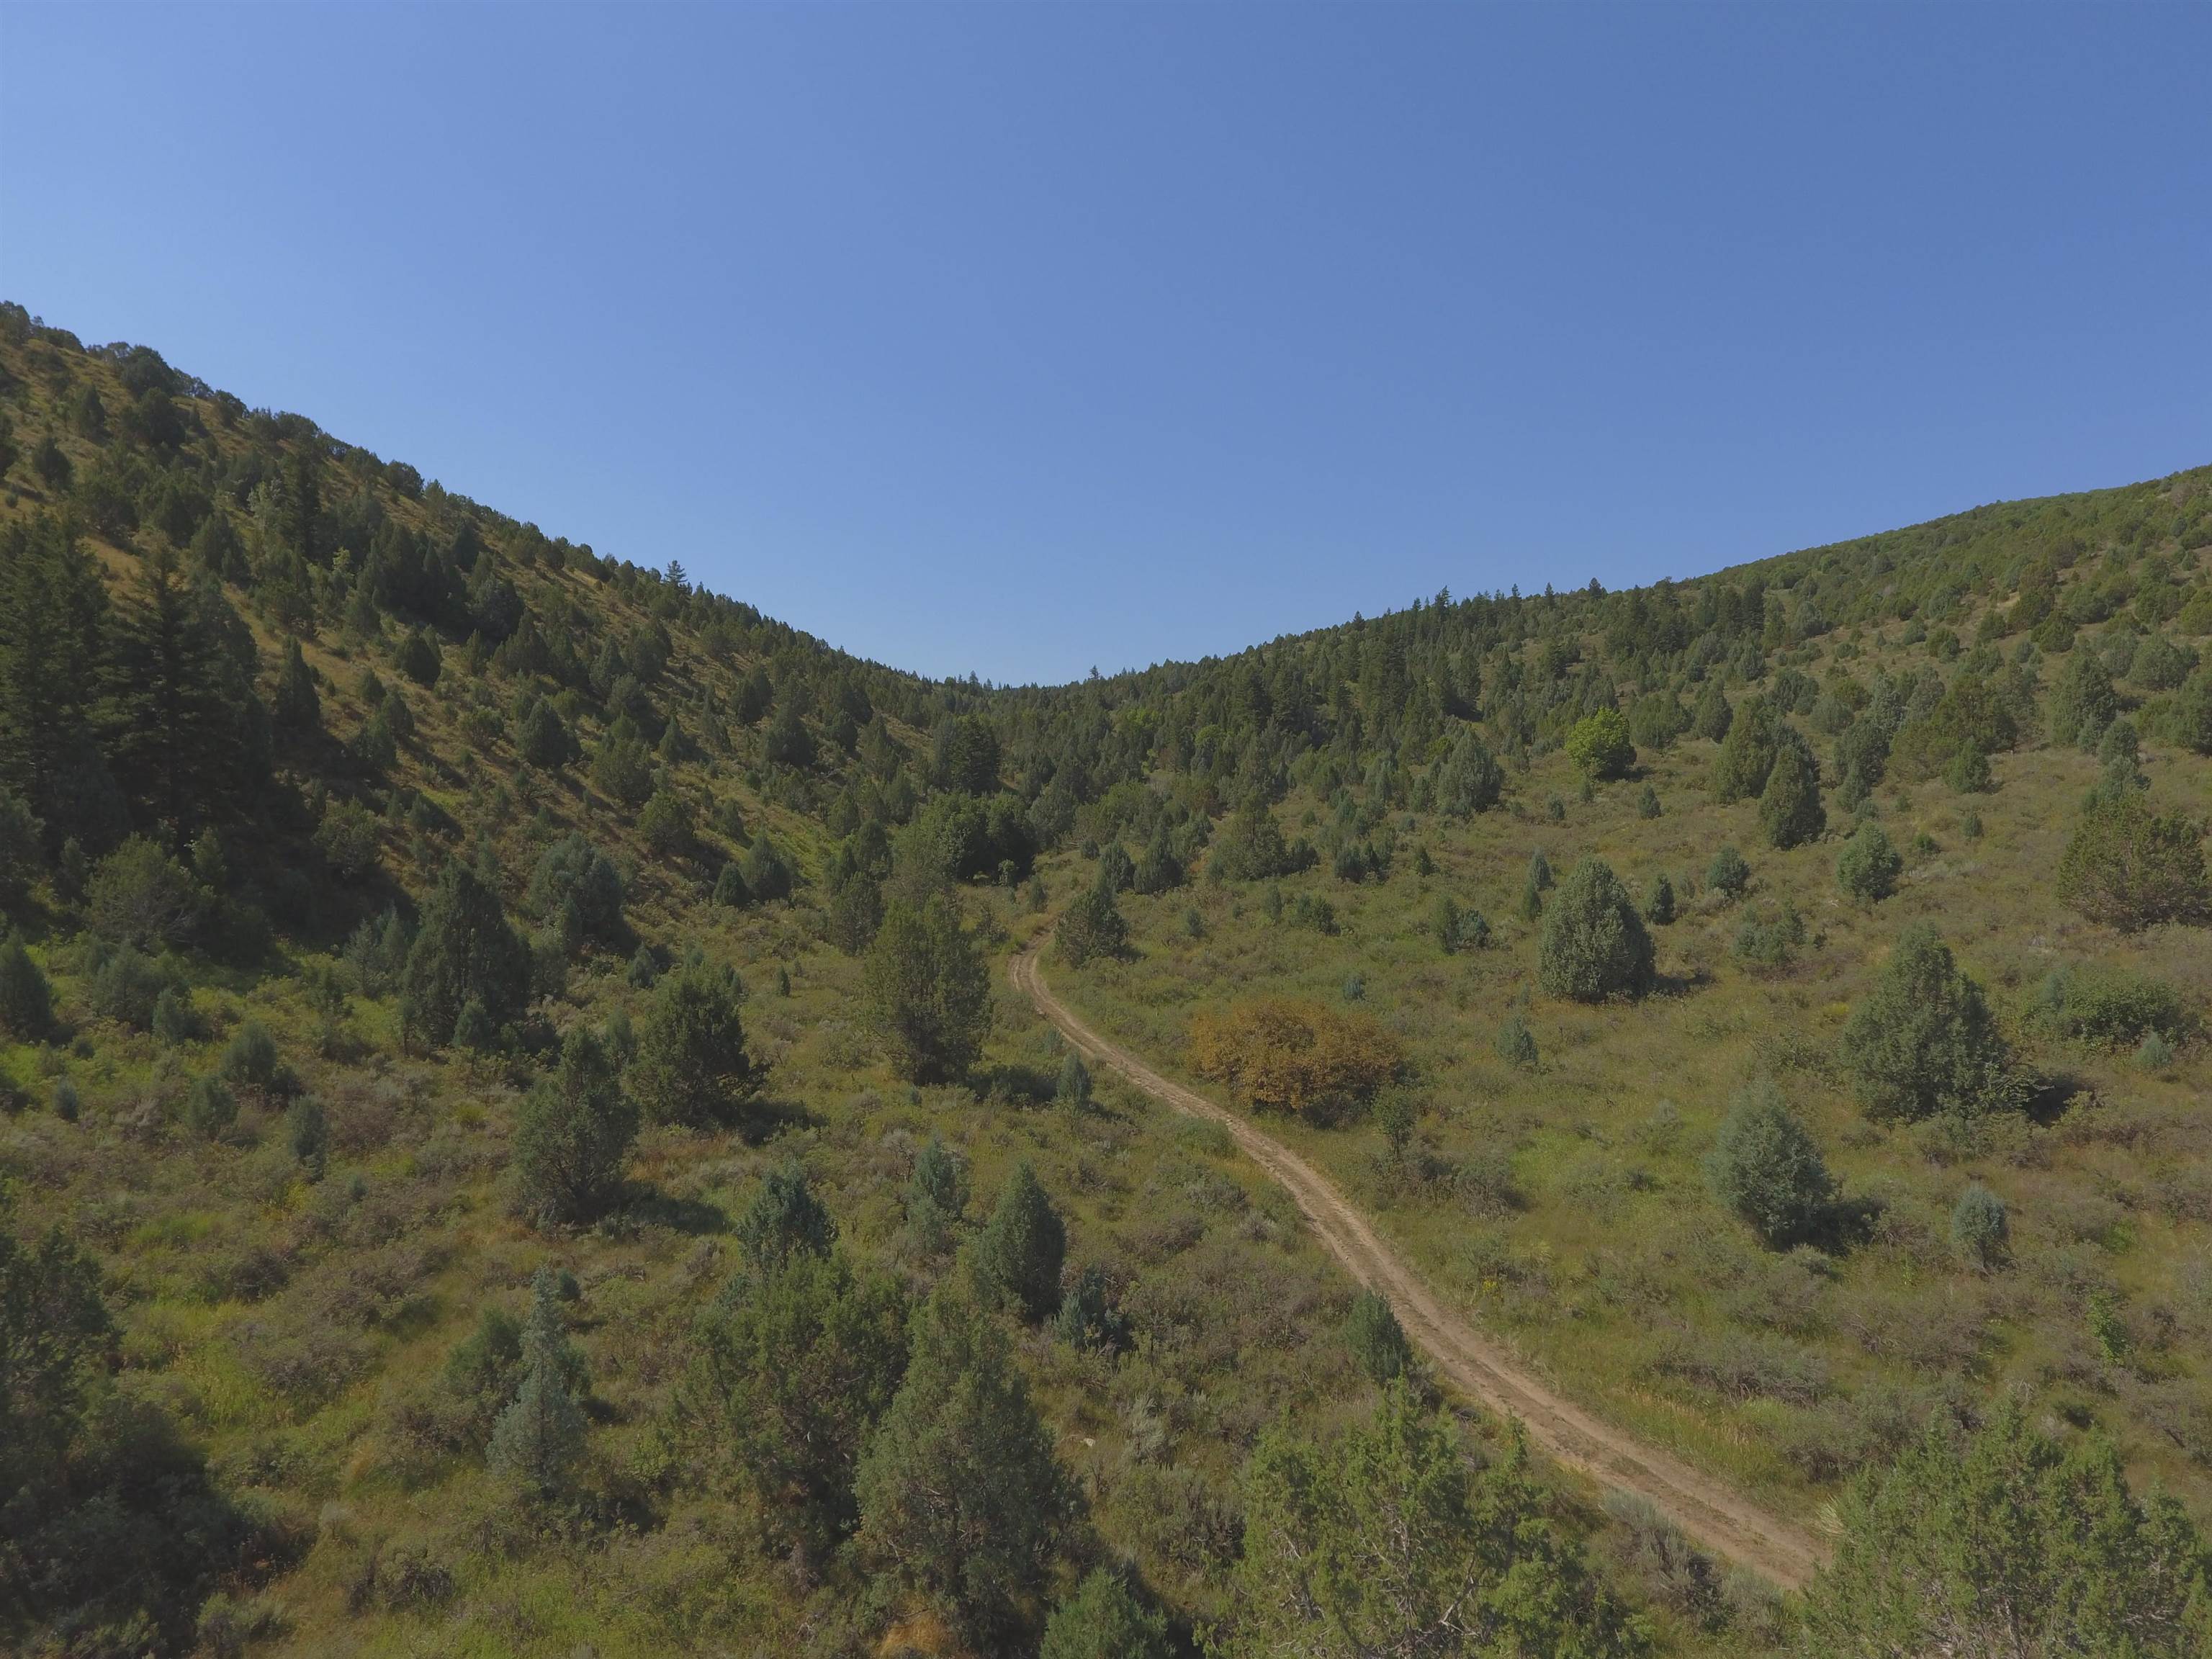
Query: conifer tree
point(572, 1136)
point(784, 1219)
point(961, 1500)
point(539, 1436)
point(1020, 1251)
point(935, 1195)
point(1595, 945)
point(1789, 809)
point(1924, 1040)
point(463, 951)
point(927, 990)
point(27, 1001)
point(692, 1067)
point(296, 707)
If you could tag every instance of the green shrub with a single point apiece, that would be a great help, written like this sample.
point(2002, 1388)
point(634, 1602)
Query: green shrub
point(1978, 1227)
point(1595, 945)
point(1924, 1041)
point(2132, 868)
point(126, 985)
point(1868, 865)
point(1647, 803)
point(1376, 1340)
point(1727, 874)
point(1092, 926)
point(1516, 1043)
point(1767, 1168)
point(2107, 1007)
point(1770, 936)
point(250, 1060)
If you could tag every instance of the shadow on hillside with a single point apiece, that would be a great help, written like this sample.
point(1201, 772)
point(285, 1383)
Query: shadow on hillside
point(650, 1206)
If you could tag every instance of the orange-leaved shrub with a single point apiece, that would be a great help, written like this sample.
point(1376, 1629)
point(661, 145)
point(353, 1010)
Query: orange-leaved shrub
point(1292, 1055)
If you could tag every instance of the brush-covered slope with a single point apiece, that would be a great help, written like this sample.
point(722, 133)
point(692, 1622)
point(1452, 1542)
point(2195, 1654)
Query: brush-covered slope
point(517, 1138)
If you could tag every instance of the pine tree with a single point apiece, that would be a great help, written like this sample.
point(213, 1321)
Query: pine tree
point(935, 1195)
point(27, 1001)
point(296, 707)
point(1104, 1620)
point(187, 733)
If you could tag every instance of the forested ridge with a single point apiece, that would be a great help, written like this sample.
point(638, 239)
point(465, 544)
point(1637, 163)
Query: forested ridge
point(515, 1136)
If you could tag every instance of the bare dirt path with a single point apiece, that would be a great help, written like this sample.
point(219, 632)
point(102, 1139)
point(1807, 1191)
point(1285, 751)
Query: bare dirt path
point(1708, 1510)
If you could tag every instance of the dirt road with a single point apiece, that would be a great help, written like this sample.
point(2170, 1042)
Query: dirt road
point(1708, 1510)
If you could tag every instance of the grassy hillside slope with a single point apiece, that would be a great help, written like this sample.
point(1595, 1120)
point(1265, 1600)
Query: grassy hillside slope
point(292, 1167)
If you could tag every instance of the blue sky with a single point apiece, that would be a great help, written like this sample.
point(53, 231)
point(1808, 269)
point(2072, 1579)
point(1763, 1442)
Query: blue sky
point(1021, 339)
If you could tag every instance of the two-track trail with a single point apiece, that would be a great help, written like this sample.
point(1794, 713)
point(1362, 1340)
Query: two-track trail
point(1710, 1512)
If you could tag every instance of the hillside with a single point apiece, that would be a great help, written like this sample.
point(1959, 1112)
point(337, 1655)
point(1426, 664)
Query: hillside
point(520, 1137)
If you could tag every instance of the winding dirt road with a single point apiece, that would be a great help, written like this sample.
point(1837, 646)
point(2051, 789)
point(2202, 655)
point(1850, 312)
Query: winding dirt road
point(1708, 1510)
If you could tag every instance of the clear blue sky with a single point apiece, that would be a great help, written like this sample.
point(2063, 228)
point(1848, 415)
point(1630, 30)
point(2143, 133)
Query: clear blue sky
point(1019, 339)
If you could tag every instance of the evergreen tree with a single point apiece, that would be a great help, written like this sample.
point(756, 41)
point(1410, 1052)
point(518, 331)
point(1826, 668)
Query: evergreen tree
point(1789, 809)
point(2007, 1541)
point(186, 733)
point(1767, 1169)
point(1073, 1089)
point(1712, 717)
point(1659, 901)
point(2082, 701)
point(935, 1195)
point(1470, 780)
point(2133, 868)
point(927, 990)
point(1104, 1620)
point(572, 1136)
point(961, 1500)
point(1867, 868)
point(789, 742)
point(27, 1001)
point(692, 1067)
point(576, 887)
point(1091, 927)
point(1020, 1251)
point(538, 1438)
point(1595, 944)
point(53, 627)
point(795, 1364)
point(1747, 752)
point(1377, 1340)
point(463, 951)
point(1728, 875)
point(1924, 1041)
point(784, 1219)
point(1388, 1541)
point(544, 741)
point(296, 707)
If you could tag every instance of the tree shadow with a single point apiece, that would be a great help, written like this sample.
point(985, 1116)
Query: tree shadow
point(694, 1216)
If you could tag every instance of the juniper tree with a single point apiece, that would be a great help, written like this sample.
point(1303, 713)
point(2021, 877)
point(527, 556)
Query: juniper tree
point(1595, 945)
point(1018, 1254)
point(463, 951)
point(1789, 809)
point(27, 1000)
point(1376, 1340)
point(1924, 1041)
point(961, 1503)
point(935, 1195)
point(1104, 1620)
point(572, 1136)
point(1868, 865)
point(928, 991)
point(795, 1364)
point(1765, 1167)
point(692, 1067)
point(784, 1219)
